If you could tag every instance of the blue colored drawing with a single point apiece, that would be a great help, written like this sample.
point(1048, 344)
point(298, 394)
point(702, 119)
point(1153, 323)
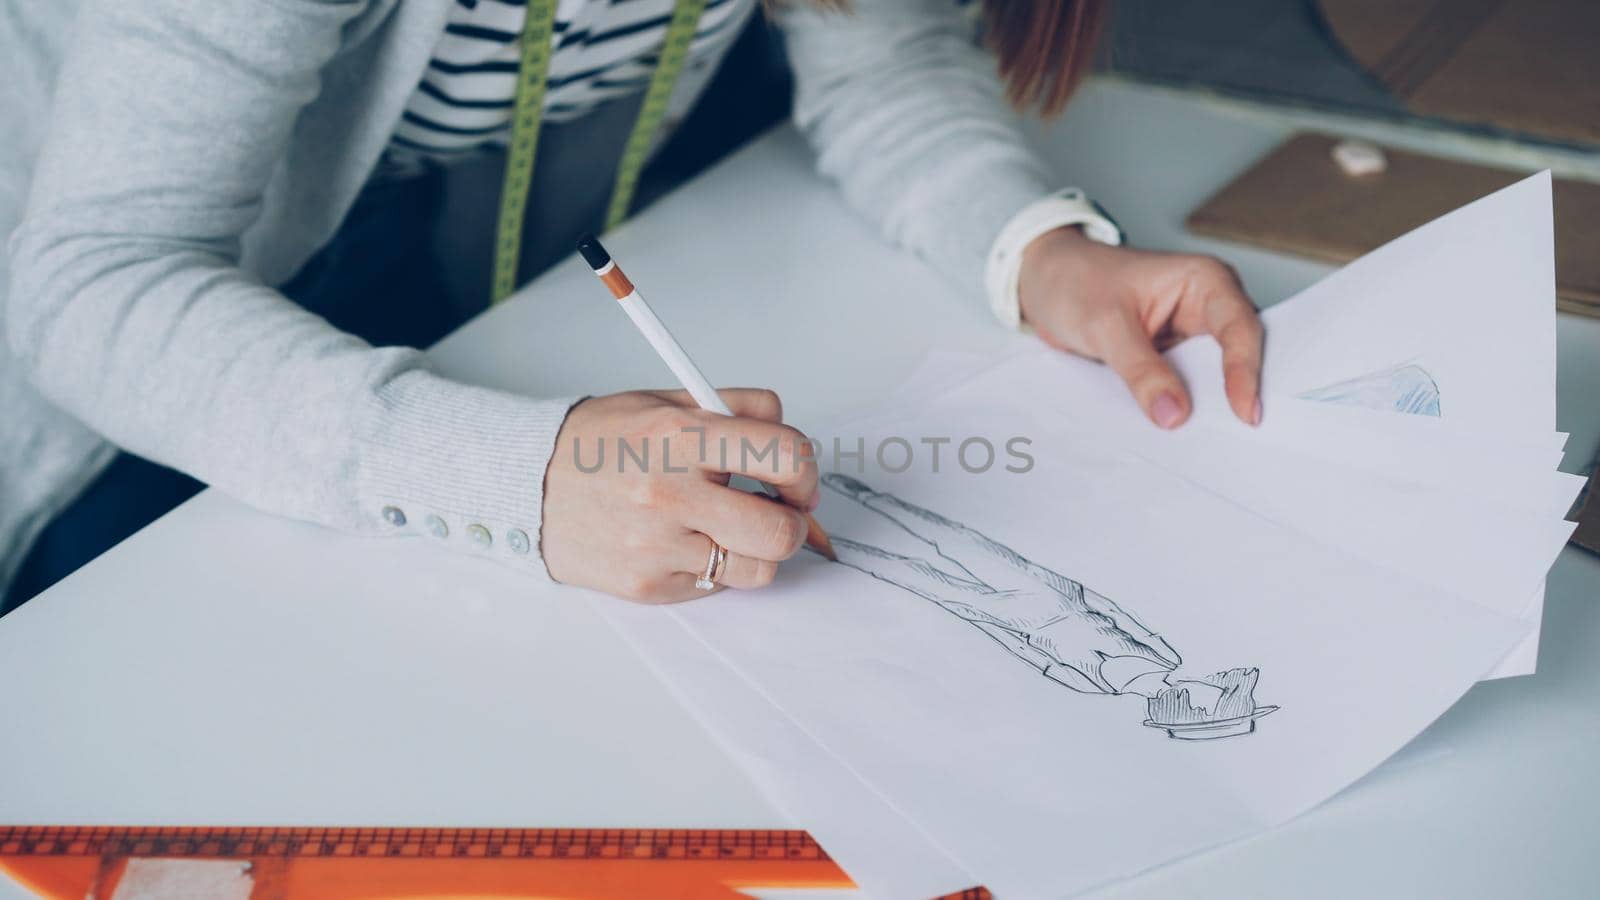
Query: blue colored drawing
point(1406, 388)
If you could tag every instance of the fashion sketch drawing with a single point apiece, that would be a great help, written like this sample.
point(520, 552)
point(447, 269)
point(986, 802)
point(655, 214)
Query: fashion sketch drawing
point(1067, 632)
point(1407, 388)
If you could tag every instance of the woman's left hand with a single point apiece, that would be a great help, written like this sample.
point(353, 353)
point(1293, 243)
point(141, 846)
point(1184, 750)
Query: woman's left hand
point(1125, 306)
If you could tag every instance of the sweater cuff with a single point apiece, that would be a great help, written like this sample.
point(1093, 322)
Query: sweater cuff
point(459, 465)
point(1003, 271)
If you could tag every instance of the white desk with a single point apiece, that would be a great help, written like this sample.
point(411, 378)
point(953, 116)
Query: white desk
point(226, 667)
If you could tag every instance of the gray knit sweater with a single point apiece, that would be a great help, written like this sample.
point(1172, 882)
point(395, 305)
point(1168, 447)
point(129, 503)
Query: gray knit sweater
point(165, 163)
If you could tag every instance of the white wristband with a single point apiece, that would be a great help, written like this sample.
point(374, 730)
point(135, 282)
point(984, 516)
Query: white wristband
point(1061, 209)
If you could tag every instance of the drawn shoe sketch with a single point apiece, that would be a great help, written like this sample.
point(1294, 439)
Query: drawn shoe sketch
point(1407, 388)
point(1230, 712)
point(1069, 633)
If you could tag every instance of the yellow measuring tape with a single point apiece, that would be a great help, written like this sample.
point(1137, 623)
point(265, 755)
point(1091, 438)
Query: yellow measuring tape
point(528, 116)
point(680, 34)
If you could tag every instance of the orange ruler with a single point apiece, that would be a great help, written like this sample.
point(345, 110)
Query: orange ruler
point(108, 863)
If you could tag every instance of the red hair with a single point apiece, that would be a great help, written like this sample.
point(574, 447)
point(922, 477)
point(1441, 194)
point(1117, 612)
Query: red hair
point(1044, 46)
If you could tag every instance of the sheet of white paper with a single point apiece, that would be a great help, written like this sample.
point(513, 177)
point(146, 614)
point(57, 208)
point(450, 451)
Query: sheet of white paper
point(1460, 316)
point(1083, 690)
point(1524, 657)
point(1468, 299)
point(1039, 788)
point(884, 852)
point(1454, 321)
point(1466, 348)
point(1453, 541)
point(1516, 469)
point(1485, 551)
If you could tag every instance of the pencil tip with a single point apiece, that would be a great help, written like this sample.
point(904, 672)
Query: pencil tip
point(593, 253)
point(819, 541)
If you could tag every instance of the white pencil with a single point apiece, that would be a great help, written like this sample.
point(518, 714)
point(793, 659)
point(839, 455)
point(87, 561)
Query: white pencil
point(672, 353)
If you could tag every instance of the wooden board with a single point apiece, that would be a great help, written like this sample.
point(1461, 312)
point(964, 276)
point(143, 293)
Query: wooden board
point(1588, 534)
point(1524, 66)
point(1297, 200)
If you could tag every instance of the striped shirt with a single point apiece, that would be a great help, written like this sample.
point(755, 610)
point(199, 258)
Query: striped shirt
point(603, 49)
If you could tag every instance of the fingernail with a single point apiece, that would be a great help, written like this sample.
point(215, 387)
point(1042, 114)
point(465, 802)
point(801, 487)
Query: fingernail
point(1166, 411)
point(1255, 414)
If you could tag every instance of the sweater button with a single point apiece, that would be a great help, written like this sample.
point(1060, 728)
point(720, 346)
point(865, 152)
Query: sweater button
point(394, 516)
point(438, 527)
point(518, 540)
point(479, 536)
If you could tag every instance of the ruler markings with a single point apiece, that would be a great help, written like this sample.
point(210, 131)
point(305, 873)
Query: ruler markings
point(566, 843)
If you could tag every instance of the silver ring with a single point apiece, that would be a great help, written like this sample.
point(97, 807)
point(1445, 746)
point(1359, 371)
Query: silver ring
point(715, 563)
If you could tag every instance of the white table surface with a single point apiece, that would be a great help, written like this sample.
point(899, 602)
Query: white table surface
point(227, 667)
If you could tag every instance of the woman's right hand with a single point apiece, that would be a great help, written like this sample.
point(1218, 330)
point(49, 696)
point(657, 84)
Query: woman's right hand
point(643, 531)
